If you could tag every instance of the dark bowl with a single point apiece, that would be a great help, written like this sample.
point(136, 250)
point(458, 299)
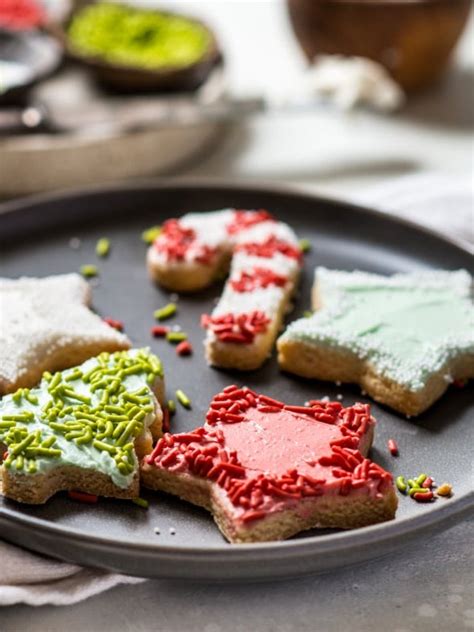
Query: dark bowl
point(132, 79)
point(413, 39)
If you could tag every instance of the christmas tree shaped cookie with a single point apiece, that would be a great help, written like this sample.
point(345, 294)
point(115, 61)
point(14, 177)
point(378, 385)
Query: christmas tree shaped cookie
point(403, 338)
point(267, 470)
point(82, 429)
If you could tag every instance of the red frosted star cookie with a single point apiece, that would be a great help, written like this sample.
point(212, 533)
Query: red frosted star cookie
point(267, 470)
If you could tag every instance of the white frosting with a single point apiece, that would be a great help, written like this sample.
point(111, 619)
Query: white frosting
point(267, 300)
point(279, 263)
point(40, 318)
point(262, 231)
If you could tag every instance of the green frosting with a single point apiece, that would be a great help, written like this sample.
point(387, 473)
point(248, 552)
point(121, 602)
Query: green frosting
point(137, 37)
point(87, 416)
point(408, 325)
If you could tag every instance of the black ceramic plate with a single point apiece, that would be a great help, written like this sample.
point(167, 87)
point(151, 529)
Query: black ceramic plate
point(34, 240)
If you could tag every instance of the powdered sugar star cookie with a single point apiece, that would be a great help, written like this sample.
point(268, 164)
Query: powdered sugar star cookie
point(265, 261)
point(82, 429)
point(403, 338)
point(45, 325)
point(267, 470)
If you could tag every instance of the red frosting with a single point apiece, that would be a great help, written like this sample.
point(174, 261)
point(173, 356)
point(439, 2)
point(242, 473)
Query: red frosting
point(256, 279)
point(269, 247)
point(239, 329)
point(245, 219)
point(264, 454)
point(175, 241)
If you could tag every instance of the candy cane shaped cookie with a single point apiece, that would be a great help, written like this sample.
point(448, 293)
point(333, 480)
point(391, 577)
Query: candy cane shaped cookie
point(265, 261)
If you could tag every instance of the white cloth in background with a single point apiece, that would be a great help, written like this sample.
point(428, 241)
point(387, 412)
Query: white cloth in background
point(442, 202)
point(36, 580)
point(445, 203)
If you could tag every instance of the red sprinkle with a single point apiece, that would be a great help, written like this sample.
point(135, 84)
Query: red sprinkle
point(83, 497)
point(428, 483)
point(246, 219)
point(159, 331)
point(271, 246)
point(184, 348)
point(5, 455)
point(116, 324)
point(423, 497)
point(393, 447)
point(258, 278)
point(175, 241)
point(459, 383)
point(165, 424)
point(237, 329)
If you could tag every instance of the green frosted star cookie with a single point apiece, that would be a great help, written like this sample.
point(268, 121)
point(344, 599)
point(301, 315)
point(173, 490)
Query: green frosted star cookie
point(84, 428)
point(403, 338)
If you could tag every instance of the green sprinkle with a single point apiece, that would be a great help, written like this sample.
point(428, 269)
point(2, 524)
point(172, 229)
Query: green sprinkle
point(166, 312)
point(305, 245)
point(19, 462)
point(172, 406)
point(123, 468)
point(102, 446)
point(102, 247)
point(56, 380)
point(418, 490)
point(7, 424)
point(307, 313)
point(75, 375)
point(183, 399)
point(47, 443)
point(88, 270)
point(421, 479)
point(150, 234)
point(31, 398)
point(141, 502)
point(129, 397)
point(176, 336)
point(401, 484)
point(85, 438)
point(35, 452)
point(24, 416)
point(19, 447)
point(32, 467)
point(16, 397)
point(74, 434)
point(412, 482)
point(71, 394)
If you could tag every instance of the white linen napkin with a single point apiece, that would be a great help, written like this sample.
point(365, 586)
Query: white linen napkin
point(444, 203)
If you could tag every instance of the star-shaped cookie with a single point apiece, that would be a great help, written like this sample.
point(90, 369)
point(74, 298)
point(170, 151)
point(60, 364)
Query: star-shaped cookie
point(83, 428)
point(45, 325)
point(403, 338)
point(267, 470)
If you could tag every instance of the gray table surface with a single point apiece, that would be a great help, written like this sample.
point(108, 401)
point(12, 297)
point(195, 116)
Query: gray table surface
point(427, 587)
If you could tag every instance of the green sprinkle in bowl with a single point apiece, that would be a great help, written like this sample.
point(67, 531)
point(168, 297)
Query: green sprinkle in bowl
point(131, 49)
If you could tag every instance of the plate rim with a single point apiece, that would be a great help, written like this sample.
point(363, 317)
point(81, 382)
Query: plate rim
point(376, 534)
point(7, 207)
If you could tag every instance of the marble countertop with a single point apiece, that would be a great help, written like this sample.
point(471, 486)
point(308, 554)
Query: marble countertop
point(426, 587)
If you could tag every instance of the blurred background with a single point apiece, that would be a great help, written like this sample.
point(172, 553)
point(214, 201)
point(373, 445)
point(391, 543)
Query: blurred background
point(340, 96)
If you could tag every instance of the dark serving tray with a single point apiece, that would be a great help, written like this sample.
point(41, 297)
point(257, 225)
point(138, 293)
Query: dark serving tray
point(34, 240)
